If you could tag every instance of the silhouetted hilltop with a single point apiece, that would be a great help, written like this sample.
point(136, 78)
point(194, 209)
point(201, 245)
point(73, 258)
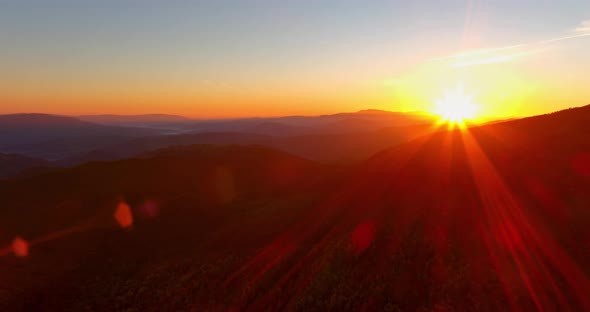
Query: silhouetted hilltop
point(556, 124)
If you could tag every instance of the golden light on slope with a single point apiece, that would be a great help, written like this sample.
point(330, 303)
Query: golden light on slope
point(455, 106)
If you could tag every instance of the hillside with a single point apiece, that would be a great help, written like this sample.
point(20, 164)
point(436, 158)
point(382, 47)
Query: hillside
point(491, 218)
point(190, 204)
point(502, 209)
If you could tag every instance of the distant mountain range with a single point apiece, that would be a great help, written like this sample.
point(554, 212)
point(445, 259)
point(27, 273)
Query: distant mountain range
point(66, 141)
point(365, 120)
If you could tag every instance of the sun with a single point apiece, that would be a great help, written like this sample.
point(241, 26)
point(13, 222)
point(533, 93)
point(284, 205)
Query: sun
point(455, 106)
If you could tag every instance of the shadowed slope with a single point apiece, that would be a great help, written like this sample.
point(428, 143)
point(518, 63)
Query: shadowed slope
point(193, 204)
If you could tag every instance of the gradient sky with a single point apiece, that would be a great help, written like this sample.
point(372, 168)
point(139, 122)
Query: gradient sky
point(258, 58)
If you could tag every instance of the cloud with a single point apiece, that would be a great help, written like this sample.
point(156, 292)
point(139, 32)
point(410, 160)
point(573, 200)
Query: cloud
point(494, 55)
point(492, 59)
point(584, 27)
point(477, 52)
point(509, 53)
point(565, 38)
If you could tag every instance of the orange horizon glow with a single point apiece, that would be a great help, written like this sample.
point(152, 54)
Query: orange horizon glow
point(187, 59)
point(426, 103)
point(499, 90)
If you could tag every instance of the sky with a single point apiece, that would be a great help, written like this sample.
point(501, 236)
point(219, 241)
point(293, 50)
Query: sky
point(223, 58)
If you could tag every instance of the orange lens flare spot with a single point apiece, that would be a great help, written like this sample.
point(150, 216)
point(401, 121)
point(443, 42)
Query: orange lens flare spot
point(123, 215)
point(20, 247)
